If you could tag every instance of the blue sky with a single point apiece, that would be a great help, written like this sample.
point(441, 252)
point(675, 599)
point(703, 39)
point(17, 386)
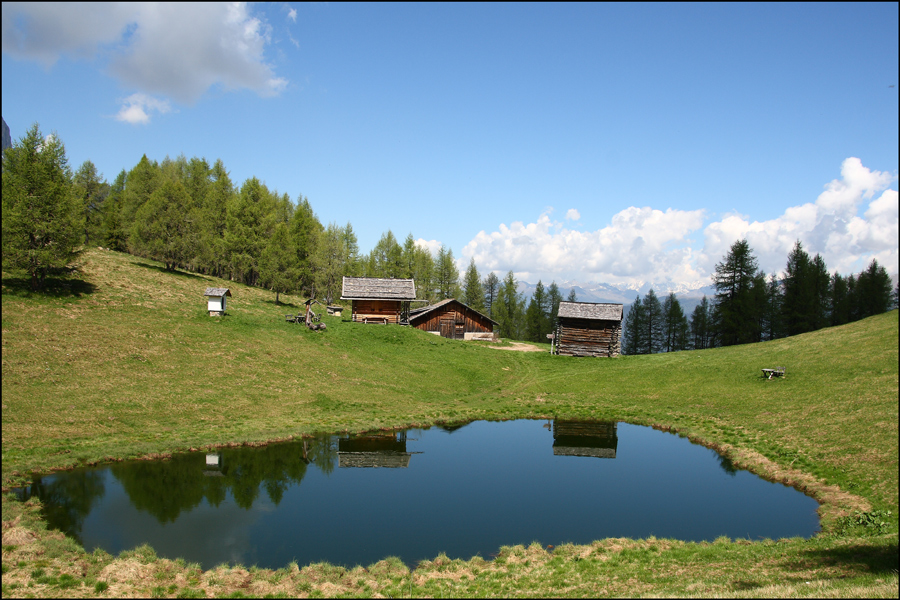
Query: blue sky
point(610, 143)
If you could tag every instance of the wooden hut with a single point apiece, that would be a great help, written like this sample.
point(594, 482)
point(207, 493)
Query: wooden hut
point(588, 329)
point(379, 300)
point(576, 438)
point(216, 300)
point(452, 319)
point(373, 451)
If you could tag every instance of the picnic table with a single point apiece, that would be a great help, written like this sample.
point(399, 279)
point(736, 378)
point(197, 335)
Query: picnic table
point(776, 372)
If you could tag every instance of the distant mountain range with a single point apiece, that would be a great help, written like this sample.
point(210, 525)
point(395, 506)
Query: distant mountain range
point(625, 294)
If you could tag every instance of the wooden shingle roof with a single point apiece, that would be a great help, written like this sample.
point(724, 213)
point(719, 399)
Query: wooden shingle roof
point(416, 313)
point(590, 310)
point(377, 288)
point(217, 292)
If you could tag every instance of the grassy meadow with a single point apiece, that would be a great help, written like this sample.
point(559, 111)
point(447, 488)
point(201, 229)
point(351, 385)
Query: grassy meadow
point(120, 360)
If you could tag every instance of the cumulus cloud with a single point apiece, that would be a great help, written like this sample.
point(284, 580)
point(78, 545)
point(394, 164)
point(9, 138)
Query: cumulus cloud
point(572, 215)
point(641, 244)
point(136, 108)
point(433, 246)
point(830, 226)
point(647, 245)
point(173, 50)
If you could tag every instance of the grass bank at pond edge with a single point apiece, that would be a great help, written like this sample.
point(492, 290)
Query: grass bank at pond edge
point(122, 361)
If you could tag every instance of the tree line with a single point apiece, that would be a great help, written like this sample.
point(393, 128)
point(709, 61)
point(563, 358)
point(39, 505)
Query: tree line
point(188, 214)
point(750, 307)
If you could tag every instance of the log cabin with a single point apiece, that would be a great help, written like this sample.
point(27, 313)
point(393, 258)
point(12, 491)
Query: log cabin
point(588, 329)
point(577, 438)
point(452, 319)
point(379, 300)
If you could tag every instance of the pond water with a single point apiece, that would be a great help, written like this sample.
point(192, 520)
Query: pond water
point(464, 491)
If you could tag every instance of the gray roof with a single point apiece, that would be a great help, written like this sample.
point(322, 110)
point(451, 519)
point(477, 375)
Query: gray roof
point(417, 312)
point(217, 292)
point(377, 288)
point(590, 310)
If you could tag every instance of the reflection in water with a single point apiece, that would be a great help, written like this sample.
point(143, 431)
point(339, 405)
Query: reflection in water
point(486, 485)
point(576, 438)
point(67, 500)
point(368, 451)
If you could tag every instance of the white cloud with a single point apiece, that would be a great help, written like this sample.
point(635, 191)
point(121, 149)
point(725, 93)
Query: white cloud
point(639, 244)
point(649, 245)
point(572, 215)
point(433, 246)
point(176, 50)
point(292, 14)
point(830, 226)
point(136, 108)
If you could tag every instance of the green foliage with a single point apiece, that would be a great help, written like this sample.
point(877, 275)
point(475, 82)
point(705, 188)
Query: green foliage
point(740, 286)
point(165, 226)
point(863, 523)
point(42, 223)
point(446, 275)
point(277, 265)
point(509, 308)
point(491, 286)
point(92, 191)
point(473, 292)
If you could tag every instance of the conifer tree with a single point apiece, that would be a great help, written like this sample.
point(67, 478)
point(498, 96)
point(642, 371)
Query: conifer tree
point(572, 297)
point(491, 286)
point(277, 265)
point(113, 231)
point(653, 323)
point(740, 295)
point(508, 308)
point(473, 293)
point(446, 275)
point(675, 325)
point(92, 191)
point(701, 326)
point(165, 227)
point(554, 297)
point(536, 326)
point(42, 227)
point(634, 329)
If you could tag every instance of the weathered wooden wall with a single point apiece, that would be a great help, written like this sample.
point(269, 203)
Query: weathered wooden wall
point(588, 337)
point(376, 311)
point(451, 322)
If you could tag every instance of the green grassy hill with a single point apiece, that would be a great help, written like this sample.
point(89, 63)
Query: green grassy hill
point(121, 360)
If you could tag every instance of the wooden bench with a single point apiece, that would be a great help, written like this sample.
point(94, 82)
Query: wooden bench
point(776, 372)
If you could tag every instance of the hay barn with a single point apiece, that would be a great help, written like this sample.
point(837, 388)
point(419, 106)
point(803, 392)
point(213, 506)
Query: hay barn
point(452, 319)
point(588, 329)
point(379, 300)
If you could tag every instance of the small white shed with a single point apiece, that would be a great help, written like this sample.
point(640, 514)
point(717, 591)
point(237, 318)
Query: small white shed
point(216, 300)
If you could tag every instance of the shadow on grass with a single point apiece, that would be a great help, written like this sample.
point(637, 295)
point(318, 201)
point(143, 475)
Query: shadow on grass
point(54, 287)
point(175, 272)
point(282, 304)
point(875, 558)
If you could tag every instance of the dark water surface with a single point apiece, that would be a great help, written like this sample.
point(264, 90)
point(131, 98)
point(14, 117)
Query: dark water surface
point(463, 491)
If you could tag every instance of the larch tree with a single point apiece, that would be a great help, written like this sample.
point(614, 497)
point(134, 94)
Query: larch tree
point(473, 292)
point(42, 225)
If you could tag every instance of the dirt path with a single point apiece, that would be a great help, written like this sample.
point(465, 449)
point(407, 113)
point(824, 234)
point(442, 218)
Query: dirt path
point(520, 347)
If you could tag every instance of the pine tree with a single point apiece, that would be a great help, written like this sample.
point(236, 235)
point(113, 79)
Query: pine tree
point(277, 265)
point(740, 296)
point(473, 293)
point(113, 232)
point(554, 297)
point(92, 191)
point(388, 256)
point(508, 308)
point(840, 300)
point(572, 297)
point(446, 275)
point(799, 295)
point(165, 228)
point(653, 323)
point(491, 286)
point(634, 329)
point(873, 291)
point(675, 325)
point(701, 326)
point(536, 322)
point(42, 228)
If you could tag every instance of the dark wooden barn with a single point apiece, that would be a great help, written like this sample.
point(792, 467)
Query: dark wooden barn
point(451, 318)
point(588, 329)
point(379, 300)
point(372, 451)
point(577, 438)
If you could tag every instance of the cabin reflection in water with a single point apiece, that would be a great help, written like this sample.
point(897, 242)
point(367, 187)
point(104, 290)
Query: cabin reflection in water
point(576, 438)
point(387, 450)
